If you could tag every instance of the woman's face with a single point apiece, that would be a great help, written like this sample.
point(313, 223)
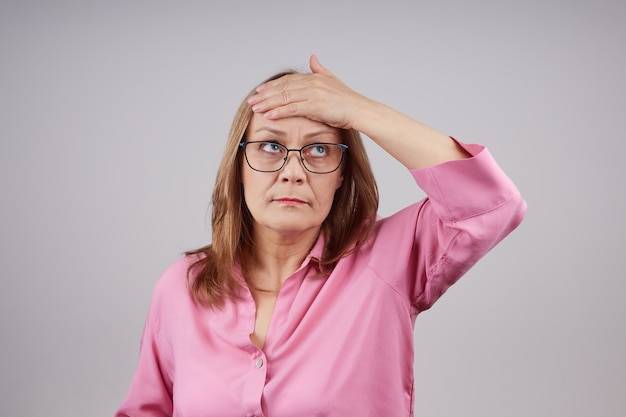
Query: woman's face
point(293, 200)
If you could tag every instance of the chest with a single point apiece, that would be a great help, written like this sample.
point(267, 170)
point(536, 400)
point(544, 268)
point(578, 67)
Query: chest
point(264, 309)
point(321, 347)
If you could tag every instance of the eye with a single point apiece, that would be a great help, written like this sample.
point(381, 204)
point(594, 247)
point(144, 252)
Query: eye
point(270, 147)
point(317, 150)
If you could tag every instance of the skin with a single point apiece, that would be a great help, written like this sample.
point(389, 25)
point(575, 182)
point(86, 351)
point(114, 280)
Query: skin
point(287, 207)
point(323, 97)
point(295, 107)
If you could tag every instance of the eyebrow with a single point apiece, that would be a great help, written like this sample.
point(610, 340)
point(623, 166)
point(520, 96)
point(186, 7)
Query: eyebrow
point(283, 133)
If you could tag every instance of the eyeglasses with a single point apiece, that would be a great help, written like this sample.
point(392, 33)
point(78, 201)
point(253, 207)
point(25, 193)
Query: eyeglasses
point(318, 158)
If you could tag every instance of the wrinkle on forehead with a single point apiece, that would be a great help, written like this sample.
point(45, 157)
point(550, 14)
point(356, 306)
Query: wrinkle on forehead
point(292, 127)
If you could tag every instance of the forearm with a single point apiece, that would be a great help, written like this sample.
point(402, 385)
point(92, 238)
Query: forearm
point(412, 143)
point(322, 97)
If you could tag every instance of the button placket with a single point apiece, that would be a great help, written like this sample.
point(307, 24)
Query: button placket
point(255, 383)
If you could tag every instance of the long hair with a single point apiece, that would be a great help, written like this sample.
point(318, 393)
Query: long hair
point(345, 230)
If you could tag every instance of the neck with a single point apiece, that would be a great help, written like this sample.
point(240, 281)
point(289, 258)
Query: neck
point(274, 257)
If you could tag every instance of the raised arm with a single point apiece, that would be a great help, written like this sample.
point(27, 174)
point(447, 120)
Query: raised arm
point(322, 97)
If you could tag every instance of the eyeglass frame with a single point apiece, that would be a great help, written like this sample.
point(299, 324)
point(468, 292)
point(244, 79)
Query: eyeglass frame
point(342, 146)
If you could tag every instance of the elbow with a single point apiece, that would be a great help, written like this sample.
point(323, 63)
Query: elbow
point(518, 211)
point(511, 215)
point(491, 227)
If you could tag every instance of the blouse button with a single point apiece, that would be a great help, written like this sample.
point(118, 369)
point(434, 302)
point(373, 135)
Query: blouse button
point(259, 363)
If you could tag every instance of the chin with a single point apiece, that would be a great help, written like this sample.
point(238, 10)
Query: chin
point(294, 227)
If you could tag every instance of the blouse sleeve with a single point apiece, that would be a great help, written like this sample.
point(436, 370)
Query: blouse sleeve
point(471, 206)
point(150, 392)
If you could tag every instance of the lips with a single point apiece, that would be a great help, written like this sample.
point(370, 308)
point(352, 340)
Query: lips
point(289, 200)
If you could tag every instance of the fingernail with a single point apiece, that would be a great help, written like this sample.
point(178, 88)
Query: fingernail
point(269, 114)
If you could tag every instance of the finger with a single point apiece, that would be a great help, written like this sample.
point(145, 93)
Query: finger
point(289, 110)
point(269, 100)
point(282, 82)
point(318, 68)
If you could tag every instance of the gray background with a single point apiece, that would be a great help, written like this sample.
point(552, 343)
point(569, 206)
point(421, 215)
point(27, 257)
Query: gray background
point(113, 116)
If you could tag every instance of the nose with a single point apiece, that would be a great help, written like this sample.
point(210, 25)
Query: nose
point(293, 170)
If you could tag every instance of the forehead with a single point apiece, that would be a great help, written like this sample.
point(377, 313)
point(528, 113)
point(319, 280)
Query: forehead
point(290, 128)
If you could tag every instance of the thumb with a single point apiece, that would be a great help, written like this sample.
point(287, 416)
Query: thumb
point(317, 68)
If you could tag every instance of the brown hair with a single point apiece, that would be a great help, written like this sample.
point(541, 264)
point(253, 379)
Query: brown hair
point(346, 228)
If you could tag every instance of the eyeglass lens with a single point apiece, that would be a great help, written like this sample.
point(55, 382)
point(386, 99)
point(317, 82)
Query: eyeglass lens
point(316, 157)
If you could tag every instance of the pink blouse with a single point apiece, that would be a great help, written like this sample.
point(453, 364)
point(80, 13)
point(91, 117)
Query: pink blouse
point(339, 344)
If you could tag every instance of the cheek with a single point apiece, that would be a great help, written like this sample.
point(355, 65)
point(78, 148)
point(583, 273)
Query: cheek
point(255, 186)
point(339, 182)
point(251, 194)
point(328, 190)
point(247, 185)
point(249, 180)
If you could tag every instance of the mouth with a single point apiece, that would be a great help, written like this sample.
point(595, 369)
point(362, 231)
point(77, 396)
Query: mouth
point(290, 201)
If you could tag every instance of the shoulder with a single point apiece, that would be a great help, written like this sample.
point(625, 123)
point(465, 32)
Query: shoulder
point(171, 295)
point(398, 224)
point(175, 277)
point(392, 236)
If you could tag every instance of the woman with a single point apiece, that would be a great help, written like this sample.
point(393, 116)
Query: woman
point(304, 303)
